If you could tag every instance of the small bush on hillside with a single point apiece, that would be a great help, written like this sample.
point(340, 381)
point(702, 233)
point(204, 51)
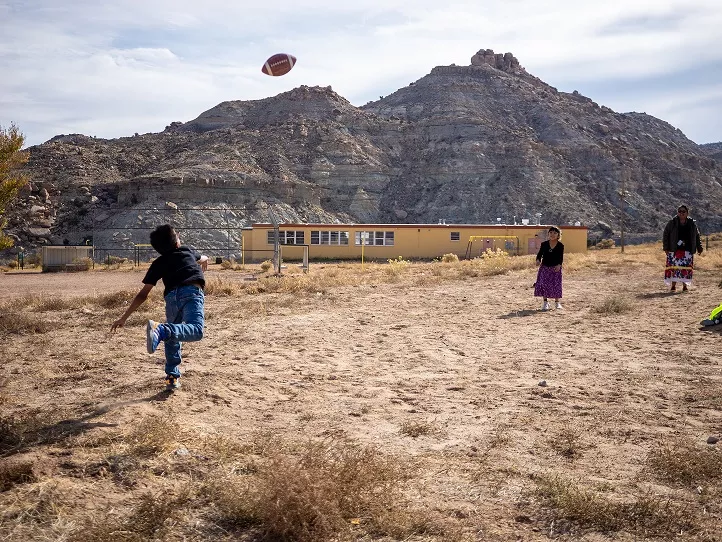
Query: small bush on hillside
point(266, 265)
point(449, 258)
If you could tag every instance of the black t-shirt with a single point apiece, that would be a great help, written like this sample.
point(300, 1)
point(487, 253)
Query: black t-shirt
point(683, 233)
point(551, 256)
point(176, 268)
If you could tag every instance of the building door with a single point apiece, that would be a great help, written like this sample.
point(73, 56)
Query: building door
point(534, 244)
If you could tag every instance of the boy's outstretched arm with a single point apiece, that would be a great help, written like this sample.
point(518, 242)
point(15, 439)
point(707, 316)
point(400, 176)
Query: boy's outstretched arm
point(137, 302)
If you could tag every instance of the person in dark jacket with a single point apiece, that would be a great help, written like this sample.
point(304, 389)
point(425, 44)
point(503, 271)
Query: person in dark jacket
point(179, 269)
point(680, 241)
point(549, 277)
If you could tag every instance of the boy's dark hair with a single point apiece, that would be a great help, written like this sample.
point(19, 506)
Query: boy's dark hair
point(164, 239)
point(554, 228)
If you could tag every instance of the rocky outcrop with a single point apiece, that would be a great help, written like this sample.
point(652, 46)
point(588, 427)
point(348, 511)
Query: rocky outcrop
point(505, 62)
point(465, 144)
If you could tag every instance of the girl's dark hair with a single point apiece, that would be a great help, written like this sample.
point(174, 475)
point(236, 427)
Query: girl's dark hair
point(554, 228)
point(164, 239)
point(682, 207)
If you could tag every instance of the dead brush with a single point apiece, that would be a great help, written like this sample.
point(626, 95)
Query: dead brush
point(323, 491)
point(38, 504)
point(54, 303)
point(112, 300)
point(222, 287)
point(646, 514)
point(416, 429)
point(685, 464)
point(15, 431)
point(567, 442)
point(14, 473)
point(614, 305)
point(152, 435)
point(151, 518)
point(21, 323)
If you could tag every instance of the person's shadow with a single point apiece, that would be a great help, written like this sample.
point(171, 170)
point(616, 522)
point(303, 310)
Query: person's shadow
point(32, 434)
point(717, 329)
point(656, 295)
point(519, 314)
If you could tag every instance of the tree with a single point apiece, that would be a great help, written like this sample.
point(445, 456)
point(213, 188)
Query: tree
point(12, 158)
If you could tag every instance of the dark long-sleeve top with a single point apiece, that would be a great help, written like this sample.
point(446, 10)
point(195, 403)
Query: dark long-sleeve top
point(549, 256)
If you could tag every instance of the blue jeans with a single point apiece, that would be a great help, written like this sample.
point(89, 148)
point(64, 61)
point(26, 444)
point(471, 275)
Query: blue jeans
point(184, 316)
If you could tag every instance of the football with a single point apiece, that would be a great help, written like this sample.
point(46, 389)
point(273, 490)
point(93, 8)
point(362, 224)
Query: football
point(279, 64)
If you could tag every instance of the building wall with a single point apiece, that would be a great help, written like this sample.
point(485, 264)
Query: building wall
point(425, 241)
point(55, 257)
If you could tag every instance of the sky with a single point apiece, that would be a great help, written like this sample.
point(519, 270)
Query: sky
point(114, 68)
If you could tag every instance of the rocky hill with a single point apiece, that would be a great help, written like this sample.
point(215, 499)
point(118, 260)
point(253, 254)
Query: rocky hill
point(466, 144)
point(713, 149)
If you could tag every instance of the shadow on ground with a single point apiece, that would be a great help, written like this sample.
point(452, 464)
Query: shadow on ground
point(519, 314)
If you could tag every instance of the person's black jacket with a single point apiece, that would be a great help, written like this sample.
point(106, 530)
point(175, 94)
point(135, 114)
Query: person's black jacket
point(671, 236)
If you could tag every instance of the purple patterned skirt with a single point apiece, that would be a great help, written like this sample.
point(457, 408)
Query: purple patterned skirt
point(548, 283)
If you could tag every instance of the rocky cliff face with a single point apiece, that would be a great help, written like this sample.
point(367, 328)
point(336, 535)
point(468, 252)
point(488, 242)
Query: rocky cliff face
point(466, 144)
point(714, 150)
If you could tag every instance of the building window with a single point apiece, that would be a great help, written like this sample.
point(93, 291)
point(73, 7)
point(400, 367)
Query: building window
point(287, 237)
point(329, 237)
point(377, 238)
point(455, 236)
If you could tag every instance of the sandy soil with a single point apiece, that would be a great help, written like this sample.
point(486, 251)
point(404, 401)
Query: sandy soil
point(494, 386)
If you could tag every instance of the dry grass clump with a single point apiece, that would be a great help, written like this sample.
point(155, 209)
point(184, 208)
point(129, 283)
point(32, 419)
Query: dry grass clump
point(614, 305)
point(449, 258)
point(221, 287)
point(709, 261)
point(152, 435)
point(567, 442)
point(13, 473)
point(14, 431)
point(685, 464)
point(605, 244)
point(416, 429)
point(319, 491)
point(20, 323)
point(113, 300)
point(150, 519)
point(646, 514)
point(396, 267)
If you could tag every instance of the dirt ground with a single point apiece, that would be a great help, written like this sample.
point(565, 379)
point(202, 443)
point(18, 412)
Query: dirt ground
point(493, 401)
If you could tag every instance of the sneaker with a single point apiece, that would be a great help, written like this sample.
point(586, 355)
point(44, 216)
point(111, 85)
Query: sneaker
point(154, 334)
point(559, 305)
point(709, 322)
point(545, 306)
point(684, 288)
point(172, 383)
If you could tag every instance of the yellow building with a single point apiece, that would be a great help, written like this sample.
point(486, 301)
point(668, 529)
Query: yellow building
point(384, 241)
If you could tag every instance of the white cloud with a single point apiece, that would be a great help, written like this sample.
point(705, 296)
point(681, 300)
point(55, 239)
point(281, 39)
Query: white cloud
point(114, 68)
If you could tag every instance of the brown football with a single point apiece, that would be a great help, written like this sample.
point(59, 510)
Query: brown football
point(279, 64)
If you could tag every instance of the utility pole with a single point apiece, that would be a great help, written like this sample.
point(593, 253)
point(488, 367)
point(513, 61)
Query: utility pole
point(622, 195)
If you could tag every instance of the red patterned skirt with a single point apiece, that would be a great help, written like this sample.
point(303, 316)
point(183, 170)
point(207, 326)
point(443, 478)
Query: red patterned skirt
point(679, 267)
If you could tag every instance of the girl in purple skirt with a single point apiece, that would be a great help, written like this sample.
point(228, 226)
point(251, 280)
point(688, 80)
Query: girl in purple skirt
point(549, 278)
